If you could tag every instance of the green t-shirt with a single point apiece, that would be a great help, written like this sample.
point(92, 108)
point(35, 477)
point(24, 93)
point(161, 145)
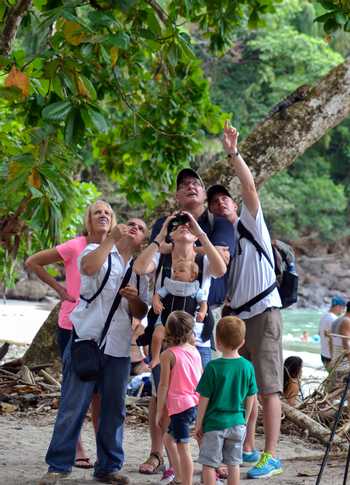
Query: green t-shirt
point(227, 383)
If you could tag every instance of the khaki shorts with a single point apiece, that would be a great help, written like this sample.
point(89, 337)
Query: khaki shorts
point(263, 347)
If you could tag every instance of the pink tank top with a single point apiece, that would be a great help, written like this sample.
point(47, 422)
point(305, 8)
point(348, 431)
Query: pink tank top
point(184, 378)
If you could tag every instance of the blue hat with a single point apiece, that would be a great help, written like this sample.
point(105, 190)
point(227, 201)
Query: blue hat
point(338, 300)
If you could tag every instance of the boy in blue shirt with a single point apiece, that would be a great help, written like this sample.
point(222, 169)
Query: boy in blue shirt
point(227, 392)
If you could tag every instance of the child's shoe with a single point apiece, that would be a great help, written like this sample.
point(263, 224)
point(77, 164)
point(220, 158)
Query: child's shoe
point(251, 457)
point(168, 476)
point(266, 467)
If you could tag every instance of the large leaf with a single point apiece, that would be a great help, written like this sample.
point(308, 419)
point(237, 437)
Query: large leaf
point(57, 111)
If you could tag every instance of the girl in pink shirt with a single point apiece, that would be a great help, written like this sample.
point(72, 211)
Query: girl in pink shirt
point(181, 369)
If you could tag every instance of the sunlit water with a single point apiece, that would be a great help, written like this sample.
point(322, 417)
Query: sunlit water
point(20, 320)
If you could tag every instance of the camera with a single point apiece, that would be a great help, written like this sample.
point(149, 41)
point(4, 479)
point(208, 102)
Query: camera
point(178, 220)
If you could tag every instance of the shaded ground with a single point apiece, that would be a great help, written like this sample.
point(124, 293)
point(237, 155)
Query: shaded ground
point(24, 440)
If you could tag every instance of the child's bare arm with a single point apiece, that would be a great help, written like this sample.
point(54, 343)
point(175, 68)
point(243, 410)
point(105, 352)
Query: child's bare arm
point(203, 308)
point(202, 408)
point(157, 304)
point(166, 362)
point(249, 402)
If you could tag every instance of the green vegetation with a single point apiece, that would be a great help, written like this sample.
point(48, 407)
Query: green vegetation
point(121, 86)
point(264, 67)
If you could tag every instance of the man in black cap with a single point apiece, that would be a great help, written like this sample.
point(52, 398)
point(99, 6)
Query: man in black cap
point(253, 297)
point(191, 197)
point(221, 203)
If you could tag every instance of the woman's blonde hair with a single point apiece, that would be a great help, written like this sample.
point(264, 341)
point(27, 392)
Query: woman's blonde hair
point(178, 328)
point(87, 217)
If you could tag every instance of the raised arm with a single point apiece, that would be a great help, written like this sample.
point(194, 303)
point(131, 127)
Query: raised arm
point(37, 263)
point(144, 263)
point(249, 193)
point(92, 262)
point(217, 266)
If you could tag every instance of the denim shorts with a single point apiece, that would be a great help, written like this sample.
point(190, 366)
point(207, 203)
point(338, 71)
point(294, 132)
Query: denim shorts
point(179, 427)
point(222, 446)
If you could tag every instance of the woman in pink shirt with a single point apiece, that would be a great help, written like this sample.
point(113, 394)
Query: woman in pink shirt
point(97, 216)
point(180, 371)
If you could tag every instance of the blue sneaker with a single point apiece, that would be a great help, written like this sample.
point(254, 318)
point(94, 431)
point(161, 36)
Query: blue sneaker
point(250, 457)
point(266, 467)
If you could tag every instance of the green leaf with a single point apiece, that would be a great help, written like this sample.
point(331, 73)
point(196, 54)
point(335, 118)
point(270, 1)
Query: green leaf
point(89, 86)
point(331, 25)
point(69, 128)
point(57, 111)
point(98, 120)
point(173, 54)
point(121, 40)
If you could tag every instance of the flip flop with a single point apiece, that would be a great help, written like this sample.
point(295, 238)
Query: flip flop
point(83, 463)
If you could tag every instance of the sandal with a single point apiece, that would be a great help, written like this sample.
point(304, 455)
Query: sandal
point(84, 463)
point(154, 464)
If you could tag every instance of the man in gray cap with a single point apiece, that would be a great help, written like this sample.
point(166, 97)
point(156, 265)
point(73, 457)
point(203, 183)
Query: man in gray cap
point(253, 296)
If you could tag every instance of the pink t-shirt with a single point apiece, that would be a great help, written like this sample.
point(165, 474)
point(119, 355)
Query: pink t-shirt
point(69, 252)
point(184, 378)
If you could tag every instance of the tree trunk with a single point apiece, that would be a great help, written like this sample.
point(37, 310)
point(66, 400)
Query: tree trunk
point(297, 123)
point(44, 348)
point(314, 428)
point(12, 23)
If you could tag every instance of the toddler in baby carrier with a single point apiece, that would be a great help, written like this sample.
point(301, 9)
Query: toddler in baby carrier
point(181, 292)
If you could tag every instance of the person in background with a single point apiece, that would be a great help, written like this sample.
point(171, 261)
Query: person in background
point(180, 371)
point(340, 346)
point(293, 367)
point(337, 308)
point(227, 392)
point(68, 253)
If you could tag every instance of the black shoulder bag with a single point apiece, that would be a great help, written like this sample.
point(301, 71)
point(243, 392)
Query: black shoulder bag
point(86, 353)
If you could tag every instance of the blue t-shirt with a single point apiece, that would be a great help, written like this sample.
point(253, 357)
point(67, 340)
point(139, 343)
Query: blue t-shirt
point(220, 233)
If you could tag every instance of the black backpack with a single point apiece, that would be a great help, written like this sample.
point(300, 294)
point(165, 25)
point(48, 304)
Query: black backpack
point(284, 267)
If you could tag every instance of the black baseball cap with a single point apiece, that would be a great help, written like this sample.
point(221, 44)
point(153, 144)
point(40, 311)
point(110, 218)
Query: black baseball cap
point(217, 189)
point(185, 173)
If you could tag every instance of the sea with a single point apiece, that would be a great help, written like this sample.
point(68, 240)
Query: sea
point(20, 321)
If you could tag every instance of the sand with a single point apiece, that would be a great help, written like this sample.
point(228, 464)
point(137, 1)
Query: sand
point(24, 440)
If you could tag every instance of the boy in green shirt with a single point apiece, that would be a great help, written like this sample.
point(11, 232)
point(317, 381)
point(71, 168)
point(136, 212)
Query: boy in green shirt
point(227, 392)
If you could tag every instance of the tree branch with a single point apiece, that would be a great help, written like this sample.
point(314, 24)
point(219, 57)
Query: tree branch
point(12, 23)
point(298, 123)
point(158, 9)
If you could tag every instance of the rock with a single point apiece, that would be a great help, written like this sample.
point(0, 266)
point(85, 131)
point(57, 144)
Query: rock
point(25, 289)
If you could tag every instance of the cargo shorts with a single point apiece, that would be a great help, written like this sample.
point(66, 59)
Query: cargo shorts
point(263, 347)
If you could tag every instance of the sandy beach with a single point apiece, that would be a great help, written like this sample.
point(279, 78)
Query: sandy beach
point(24, 437)
point(24, 440)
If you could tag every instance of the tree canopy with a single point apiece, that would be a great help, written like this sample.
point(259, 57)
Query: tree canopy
point(120, 83)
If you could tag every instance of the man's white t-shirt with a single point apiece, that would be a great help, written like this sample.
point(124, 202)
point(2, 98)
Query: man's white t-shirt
point(250, 274)
point(325, 324)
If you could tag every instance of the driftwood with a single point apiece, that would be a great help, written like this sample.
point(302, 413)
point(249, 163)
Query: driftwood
point(314, 428)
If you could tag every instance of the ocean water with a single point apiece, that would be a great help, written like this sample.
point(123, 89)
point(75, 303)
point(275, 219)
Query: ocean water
point(295, 323)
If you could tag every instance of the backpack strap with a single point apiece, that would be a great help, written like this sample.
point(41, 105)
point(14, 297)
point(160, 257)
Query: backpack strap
point(247, 306)
point(103, 284)
point(116, 301)
point(245, 233)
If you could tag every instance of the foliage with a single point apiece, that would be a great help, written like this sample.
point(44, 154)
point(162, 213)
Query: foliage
point(286, 201)
point(262, 68)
